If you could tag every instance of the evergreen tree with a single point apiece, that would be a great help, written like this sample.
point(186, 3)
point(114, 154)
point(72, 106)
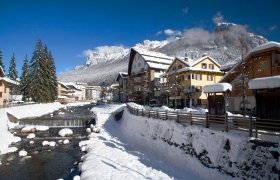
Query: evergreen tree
point(25, 79)
point(1, 61)
point(53, 77)
point(12, 69)
point(42, 75)
point(37, 92)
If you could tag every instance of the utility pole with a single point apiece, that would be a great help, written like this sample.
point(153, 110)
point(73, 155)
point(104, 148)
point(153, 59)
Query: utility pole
point(243, 74)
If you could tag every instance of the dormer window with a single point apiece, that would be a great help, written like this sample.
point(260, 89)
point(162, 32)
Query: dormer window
point(211, 66)
point(204, 66)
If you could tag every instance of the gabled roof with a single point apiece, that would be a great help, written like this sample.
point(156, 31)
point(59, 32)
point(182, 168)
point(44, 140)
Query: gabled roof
point(122, 75)
point(203, 58)
point(190, 65)
point(63, 84)
point(8, 80)
point(235, 71)
point(155, 60)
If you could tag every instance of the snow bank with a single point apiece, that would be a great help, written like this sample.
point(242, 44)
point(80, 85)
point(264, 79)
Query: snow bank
point(137, 147)
point(33, 110)
point(65, 132)
point(122, 152)
point(229, 152)
point(6, 137)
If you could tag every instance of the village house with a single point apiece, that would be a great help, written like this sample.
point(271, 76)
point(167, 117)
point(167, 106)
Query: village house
point(93, 93)
point(186, 78)
point(5, 85)
point(261, 62)
point(144, 70)
point(122, 80)
point(69, 92)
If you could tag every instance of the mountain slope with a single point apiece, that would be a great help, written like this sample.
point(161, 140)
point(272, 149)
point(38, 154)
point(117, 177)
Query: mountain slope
point(223, 44)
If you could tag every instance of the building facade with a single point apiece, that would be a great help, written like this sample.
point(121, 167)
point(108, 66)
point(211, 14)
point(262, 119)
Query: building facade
point(186, 78)
point(5, 84)
point(144, 70)
point(262, 61)
point(122, 80)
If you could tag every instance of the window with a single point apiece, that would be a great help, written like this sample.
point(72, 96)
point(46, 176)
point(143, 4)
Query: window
point(209, 77)
point(263, 65)
point(180, 66)
point(188, 76)
point(0, 83)
point(211, 66)
point(0, 94)
point(204, 66)
point(198, 77)
point(193, 76)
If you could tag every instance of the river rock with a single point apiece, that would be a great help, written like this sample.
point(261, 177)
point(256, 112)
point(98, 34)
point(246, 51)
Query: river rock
point(42, 128)
point(66, 141)
point(88, 130)
point(65, 132)
point(52, 143)
point(22, 153)
point(45, 143)
point(28, 129)
point(77, 177)
point(31, 136)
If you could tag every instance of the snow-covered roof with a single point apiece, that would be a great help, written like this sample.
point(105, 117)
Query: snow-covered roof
point(264, 46)
point(182, 59)
point(155, 60)
point(62, 97)
point(191, 69)
point(265, 83)
point(218, 87)
point(8, 80)
point(204, 57)
point(157, 66)
point(153, 54)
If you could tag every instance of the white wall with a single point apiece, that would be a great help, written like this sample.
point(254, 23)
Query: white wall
point(138, 64)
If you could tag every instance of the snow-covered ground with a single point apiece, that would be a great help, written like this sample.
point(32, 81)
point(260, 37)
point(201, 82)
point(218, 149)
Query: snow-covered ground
point(33, 110)
point(144, 148)
point(120, 153)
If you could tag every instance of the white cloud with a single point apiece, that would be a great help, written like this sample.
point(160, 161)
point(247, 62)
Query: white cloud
point(158, 33)
point(186, 10)
point(170, 32)
point(218, 18)
point(272, 28)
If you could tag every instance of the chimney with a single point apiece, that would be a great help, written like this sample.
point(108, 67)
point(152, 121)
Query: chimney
point(186, 59)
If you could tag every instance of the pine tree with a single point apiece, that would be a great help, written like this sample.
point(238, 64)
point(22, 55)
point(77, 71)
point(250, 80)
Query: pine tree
point(1, 61)
point(37, 92)
point(25, 79)
point(12, 69)
point(42, 75)
point(53, 77)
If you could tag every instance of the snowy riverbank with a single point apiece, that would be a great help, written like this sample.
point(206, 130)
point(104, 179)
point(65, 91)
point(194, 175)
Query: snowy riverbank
point(33, 110)
point(141, 148)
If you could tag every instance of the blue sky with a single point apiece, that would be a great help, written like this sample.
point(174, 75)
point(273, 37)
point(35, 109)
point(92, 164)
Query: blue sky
point(69, 27)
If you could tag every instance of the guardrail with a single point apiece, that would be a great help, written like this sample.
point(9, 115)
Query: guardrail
point(14, 105)
point(252, 125)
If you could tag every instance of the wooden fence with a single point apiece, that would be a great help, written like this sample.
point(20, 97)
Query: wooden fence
point(252, 125)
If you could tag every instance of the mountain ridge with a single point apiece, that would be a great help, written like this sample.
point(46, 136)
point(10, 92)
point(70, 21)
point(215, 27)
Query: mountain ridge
point(223, 44)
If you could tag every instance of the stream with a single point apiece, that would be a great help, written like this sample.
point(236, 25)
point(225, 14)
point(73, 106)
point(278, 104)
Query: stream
point(60, 161)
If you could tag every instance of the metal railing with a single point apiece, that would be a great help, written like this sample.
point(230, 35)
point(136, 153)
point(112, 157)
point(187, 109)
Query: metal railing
point(252, 125)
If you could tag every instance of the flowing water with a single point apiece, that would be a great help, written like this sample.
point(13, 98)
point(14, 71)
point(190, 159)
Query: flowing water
point(41, 162)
